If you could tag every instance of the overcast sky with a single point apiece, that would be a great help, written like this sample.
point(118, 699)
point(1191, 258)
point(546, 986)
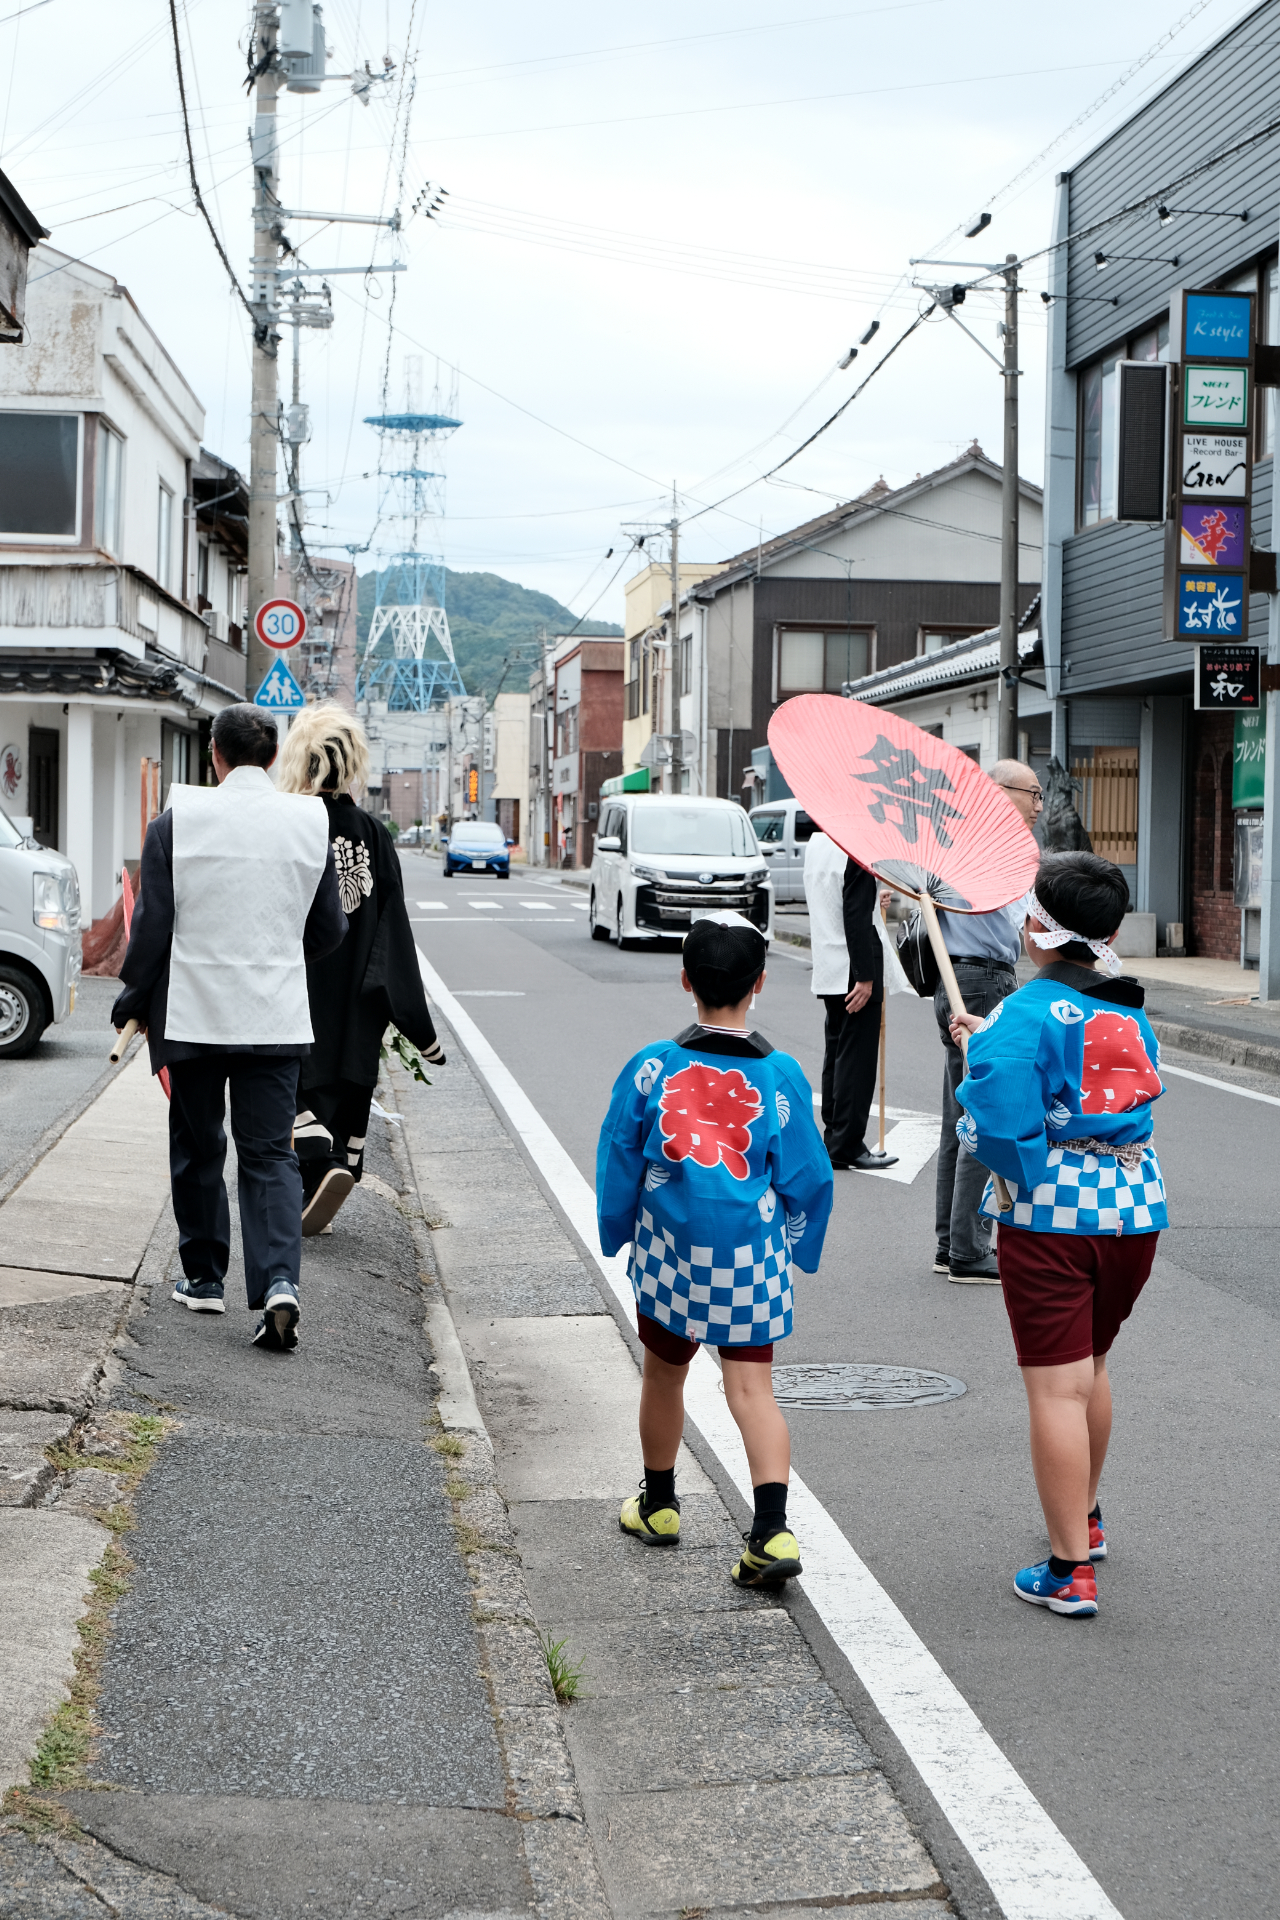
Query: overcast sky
point(664, 228)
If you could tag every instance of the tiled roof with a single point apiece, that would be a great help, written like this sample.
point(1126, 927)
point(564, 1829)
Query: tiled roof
point(976, 658)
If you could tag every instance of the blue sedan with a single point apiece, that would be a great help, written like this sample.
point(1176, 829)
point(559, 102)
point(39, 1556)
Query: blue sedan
point(477, 846)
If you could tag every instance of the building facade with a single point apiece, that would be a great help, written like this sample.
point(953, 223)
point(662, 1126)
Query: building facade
point(654, 682)
point(1120, 693)
point(121, 575)
point(587, 744)
point(895, 575)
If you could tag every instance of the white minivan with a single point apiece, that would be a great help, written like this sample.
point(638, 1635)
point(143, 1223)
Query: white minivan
point(39, 939)
point(784, 830)
point(662, 858)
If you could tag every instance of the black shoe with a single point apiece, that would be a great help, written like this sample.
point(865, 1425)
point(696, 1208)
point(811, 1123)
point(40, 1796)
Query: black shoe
point(979, 1273)
point(942, 1260)
point(333, 1188)
point(283, 1313)
point(202, 1296)
point(869, 1162)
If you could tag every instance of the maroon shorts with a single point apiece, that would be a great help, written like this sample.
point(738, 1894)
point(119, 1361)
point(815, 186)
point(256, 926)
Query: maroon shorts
point(1068, 1294)
point(678, 1352)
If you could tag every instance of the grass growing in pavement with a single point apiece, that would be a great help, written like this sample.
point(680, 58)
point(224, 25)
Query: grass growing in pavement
point(62, 1756)
point(451, 1445)
point(566, 1675)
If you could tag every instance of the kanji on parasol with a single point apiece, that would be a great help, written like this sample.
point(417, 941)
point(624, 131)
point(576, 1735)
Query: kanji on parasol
point(130, 1027)
point(915, 811)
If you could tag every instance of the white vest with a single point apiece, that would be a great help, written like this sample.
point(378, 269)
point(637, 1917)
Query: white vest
point(246, 864)
point(824, 865)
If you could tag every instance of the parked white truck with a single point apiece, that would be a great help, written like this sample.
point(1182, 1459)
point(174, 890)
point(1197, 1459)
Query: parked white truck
point(39, 939)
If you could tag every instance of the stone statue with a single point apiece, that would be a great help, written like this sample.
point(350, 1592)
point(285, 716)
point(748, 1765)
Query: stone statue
point(1061, 828)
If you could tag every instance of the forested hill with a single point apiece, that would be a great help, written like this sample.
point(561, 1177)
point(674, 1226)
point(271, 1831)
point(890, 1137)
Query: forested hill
point(488, 617)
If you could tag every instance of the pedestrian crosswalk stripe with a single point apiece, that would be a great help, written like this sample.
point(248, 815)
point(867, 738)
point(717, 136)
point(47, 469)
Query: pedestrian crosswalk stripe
point(1032, 1869)
point(434, 906)
point(537, 906)
point(485, 906)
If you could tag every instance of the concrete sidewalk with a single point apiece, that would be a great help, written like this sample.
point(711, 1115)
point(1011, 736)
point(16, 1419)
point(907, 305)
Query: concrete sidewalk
point(718, 1769)
point(306, 1706)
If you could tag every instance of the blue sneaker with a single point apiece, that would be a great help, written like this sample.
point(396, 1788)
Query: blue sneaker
point(202, 1296)
point(282, 1312)
point(1078, 1594)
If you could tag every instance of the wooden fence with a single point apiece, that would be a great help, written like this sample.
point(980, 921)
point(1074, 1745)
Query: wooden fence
point(1108, 802)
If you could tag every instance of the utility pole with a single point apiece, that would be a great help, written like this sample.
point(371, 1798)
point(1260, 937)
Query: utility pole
point(673, 648)
point(264, 426)
point(1008, 709)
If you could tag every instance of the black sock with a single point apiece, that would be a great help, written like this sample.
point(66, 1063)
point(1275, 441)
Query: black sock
point(659, 1486)
point(1063, 1569)
point(771, 1509)
point(1097, 1513)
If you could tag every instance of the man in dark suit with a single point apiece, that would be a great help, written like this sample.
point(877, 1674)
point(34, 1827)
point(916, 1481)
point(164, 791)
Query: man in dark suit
point(848, 977)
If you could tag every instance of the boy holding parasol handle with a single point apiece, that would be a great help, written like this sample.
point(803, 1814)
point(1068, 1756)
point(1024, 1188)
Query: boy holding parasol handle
point(1057, 1102)
point(711, 1166)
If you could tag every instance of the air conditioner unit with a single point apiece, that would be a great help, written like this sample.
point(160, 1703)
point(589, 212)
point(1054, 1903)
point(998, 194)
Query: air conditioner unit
point(217, 624)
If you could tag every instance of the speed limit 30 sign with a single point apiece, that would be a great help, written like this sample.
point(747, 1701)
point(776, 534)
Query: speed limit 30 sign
point(280, 623)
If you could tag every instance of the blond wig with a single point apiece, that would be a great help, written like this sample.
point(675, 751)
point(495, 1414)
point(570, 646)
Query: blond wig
point(325, 749)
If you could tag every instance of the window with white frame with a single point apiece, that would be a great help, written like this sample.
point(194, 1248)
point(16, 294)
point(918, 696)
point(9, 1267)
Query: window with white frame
point(107, 489)
point(821, 660)
point(39, 476)
point(686, 664)
point(934, 639)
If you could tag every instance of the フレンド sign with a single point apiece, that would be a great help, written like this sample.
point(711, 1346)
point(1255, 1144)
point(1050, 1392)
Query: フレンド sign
point(1215, 397)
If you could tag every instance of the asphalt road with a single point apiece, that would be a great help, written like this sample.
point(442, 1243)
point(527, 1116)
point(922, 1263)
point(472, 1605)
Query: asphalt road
point(1151, 1735)
point(66, 1065)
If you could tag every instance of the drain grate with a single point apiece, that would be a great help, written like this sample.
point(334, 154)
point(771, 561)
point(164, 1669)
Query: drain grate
point(839, 1386)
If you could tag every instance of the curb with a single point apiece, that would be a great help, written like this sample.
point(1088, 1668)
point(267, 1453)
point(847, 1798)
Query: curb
point(1225, 1048)
point(542, 1791)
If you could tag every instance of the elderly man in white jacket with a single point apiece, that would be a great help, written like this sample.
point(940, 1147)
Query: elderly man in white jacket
point(238, 891)
point(850, 954)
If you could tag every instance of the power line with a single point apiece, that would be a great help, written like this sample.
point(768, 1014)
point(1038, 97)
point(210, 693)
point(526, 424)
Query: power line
point(258, 328)
point(828, 422)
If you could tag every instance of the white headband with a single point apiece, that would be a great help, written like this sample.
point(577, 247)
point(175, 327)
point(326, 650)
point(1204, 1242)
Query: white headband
point(1058, 936)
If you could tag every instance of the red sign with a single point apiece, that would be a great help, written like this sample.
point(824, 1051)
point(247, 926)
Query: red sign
point(915, 811)
point(280, 624)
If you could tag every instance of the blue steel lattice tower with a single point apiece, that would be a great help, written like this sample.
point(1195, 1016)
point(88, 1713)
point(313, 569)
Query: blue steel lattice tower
point(408, 663)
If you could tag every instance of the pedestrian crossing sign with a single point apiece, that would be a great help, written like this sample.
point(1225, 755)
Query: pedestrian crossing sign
point(279, 691)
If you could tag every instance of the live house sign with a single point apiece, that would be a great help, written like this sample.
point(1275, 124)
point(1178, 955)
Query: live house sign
point(1208, 529)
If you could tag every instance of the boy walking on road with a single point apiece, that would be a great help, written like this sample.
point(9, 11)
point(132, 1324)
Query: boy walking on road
point(710, 1164)
point(1057, 1100)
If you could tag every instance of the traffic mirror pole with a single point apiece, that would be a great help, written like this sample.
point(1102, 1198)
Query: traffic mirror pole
point(264, 424)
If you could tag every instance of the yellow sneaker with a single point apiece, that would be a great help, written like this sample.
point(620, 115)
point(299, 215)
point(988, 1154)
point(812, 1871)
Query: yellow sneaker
point(769, 1563)
point(657, 1526)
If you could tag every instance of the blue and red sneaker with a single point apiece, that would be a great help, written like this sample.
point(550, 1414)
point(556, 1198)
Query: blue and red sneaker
point(1078, 1594)
point(1097, 1538)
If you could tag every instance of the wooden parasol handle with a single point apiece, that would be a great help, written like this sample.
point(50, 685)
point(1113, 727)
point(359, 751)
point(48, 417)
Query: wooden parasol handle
point(1004, 1199)
point(123, 1038)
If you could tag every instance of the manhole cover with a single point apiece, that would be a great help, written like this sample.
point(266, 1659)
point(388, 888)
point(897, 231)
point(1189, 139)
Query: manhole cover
point(837, 1386)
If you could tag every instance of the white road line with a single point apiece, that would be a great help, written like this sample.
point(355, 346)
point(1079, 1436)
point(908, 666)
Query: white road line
point(433, 906)
point(1031, 1868)
point(488, 993)
point(914, 1138)
point(485, 906)
point(462, 921)
point(1223, 1086)
point(537, 906)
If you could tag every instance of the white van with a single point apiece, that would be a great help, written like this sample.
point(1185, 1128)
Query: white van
point(784, 829)
point(39, 939)
point(661, 858)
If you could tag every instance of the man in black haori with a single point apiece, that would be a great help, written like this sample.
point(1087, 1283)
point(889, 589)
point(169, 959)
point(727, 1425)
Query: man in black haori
point(370, 982)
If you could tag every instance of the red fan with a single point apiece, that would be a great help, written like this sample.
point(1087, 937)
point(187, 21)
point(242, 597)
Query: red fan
point(912, 809)
point(915, 811)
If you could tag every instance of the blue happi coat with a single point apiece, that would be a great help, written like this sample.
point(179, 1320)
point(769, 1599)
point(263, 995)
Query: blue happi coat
point(1071, 1056)
point(710, 1164)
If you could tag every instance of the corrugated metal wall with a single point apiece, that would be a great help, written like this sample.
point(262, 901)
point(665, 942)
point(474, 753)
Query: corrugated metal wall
point(1230, 90)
